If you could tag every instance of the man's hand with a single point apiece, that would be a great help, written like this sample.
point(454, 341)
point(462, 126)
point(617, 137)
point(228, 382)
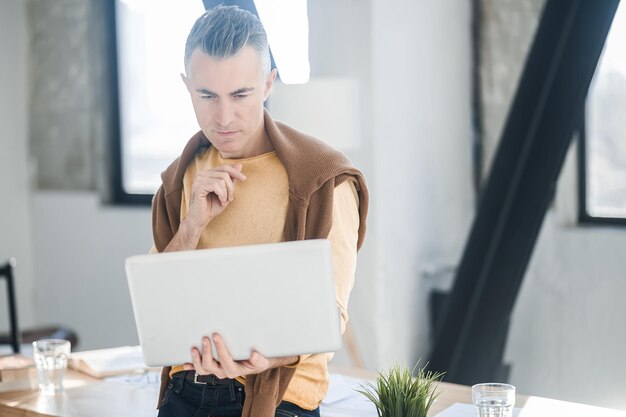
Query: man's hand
point(225, 367)
point(212, 191)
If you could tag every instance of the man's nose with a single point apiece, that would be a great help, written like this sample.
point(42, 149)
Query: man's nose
point(225, 113)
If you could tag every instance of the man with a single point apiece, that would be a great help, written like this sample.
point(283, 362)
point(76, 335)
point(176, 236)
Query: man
point(246, 179)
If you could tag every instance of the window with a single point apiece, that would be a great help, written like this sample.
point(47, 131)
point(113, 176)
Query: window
point(156, 118)
point(602, 150)
point(155, 115)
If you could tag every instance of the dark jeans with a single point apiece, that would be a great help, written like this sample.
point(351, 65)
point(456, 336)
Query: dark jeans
point(184, 398)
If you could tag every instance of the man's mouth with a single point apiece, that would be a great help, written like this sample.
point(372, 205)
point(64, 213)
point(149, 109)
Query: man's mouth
point(225, 133)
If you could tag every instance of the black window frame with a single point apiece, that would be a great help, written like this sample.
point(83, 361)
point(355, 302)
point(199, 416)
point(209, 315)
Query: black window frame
point(118, 195)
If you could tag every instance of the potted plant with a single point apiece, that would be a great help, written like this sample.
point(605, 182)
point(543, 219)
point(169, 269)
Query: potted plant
point(399, 394)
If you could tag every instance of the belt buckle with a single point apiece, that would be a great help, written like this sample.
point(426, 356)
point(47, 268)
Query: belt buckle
point(195, 380)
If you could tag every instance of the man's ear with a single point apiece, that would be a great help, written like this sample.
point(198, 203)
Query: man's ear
point(186, 81)
point(269, 83)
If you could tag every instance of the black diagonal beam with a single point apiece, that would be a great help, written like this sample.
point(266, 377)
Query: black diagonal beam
point(549, 102)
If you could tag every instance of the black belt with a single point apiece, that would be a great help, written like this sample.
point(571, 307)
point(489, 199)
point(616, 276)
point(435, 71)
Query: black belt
point(206, 379)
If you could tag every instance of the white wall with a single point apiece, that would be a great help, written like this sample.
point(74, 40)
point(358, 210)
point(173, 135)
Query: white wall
point(80, 247)
point(422, 158)
point(568, 334)
point(15, 195)
point(339, 39)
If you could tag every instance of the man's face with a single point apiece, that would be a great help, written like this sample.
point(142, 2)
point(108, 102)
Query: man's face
point(228, 96)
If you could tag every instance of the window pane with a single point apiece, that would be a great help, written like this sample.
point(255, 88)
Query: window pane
point(156, 116)
point(606, 127)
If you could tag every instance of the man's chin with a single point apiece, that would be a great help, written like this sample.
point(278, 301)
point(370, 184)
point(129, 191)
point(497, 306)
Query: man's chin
point(229, 150)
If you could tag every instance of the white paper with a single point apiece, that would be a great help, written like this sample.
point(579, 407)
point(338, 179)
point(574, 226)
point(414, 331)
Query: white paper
point(147, 379)
point(343, 400)
point(112, 360)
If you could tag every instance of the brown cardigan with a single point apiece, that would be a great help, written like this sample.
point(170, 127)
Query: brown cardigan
point(314, 169)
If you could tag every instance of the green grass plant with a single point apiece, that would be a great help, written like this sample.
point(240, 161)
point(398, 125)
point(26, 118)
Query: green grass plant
point(399, 394)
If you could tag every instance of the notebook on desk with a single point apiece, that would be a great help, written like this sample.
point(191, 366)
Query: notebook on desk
point(278, 299)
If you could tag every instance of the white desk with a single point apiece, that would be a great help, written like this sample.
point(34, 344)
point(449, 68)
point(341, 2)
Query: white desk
point(89, 397)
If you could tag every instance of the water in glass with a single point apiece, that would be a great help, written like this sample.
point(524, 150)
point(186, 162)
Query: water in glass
point(494, 407)
point(51, 359)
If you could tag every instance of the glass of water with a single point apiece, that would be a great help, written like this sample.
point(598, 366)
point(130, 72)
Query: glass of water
point(494, 399)
point(51, 359)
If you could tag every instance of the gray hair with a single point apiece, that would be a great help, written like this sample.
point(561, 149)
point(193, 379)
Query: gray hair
point(223, 31)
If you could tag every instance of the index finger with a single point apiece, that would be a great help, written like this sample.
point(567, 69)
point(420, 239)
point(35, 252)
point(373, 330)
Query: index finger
point(223, 355)
point(232, 171)
point(196, 360)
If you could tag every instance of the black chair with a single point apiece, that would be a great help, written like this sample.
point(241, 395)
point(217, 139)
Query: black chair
point(15, 337)
point(6, 271)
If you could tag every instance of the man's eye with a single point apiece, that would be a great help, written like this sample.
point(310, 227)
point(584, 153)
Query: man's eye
point(239, 96)
point(208, 97)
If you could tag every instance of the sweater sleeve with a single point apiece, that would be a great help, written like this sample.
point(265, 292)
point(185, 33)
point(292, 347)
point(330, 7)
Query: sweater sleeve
point(343, 236)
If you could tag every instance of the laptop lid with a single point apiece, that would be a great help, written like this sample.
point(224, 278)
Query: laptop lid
point(278, 299)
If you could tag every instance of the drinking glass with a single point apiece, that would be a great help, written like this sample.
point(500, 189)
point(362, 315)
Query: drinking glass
point(494, 399)
point(51, 359)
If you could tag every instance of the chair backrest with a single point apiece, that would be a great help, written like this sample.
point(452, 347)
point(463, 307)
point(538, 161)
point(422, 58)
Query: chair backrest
point(6, 271)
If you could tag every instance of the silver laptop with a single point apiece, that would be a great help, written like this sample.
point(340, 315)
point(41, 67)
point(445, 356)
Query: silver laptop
point(278, 299)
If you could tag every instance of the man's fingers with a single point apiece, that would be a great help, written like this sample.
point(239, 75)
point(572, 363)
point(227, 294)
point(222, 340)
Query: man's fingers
point(196, 360)
point(220, 181)
point(238, 166)
point(258, 361)
point(229, 366)
point(224, 367)
point(202, 361)
point(220, 190)
point(255, 358)
point(206, 179)
point(234, 171)
point(229, 185)
point(226, 181)
point(222, 351)
point(207, 354)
